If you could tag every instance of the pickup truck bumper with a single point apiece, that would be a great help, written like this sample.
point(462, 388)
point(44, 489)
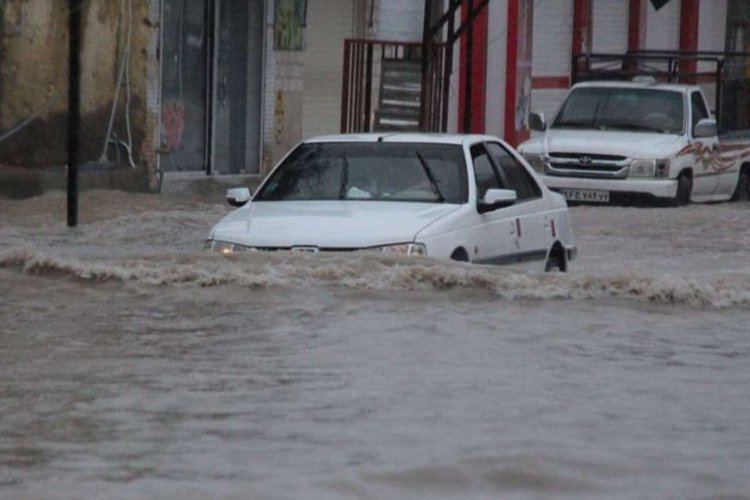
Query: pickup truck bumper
point(658, 188)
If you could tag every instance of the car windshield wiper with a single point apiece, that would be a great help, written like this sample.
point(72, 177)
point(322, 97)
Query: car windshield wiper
point(634, 126)
point(431, 177)
point(344, 177)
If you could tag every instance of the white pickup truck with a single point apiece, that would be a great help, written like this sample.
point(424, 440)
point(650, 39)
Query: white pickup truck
point(615, 141)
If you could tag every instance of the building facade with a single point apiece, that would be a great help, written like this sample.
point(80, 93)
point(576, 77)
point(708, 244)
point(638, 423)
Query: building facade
point(524, 49)
point(174, 87)
point(182, 88)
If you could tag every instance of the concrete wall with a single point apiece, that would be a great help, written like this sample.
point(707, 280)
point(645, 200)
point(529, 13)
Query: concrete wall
point(34, 78)
point(552, 48)
point(663, 27)
point(401, 20)
point(610, 26)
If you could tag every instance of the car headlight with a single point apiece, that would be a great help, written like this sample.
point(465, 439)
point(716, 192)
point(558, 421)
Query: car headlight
point(417, 249)
point(537, 162)
point(223, 247)
point(643, 168)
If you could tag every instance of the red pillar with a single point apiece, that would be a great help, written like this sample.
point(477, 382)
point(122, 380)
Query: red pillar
point(511, 75)
point(636, 24)
point(582, 30)
point(518, 77)
point(478, 70)
point(689, 35)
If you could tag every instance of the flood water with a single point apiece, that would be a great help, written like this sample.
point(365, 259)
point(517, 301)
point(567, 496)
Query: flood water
point(135, 365)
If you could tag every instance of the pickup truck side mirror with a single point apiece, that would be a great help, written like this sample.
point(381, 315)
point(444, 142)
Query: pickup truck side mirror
point(497, 198)
point(705, 128)
point(537, 122)
point(238, 197)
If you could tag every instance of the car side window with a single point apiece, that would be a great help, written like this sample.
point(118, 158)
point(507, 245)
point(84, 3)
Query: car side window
point(514, 173)
point(484, 171)
point(699, 108)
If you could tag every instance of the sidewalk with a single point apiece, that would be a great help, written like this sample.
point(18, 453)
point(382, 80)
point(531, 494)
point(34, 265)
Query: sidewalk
point(20, 182)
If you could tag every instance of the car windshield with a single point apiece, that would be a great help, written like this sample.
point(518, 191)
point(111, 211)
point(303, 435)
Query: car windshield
point(383, 171)
point(621, 108)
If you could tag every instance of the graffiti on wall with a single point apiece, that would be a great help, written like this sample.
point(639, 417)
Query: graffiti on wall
point(172, 126)
point(289, 24)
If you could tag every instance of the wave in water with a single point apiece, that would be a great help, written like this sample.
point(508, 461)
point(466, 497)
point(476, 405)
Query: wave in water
point(377, 272)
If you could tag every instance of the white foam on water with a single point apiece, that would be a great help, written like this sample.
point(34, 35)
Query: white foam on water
point(376, 272)
point(696, 255)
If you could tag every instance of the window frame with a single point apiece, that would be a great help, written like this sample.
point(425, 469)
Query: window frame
point(533, 184)
point(693, 95)
point(498, 182)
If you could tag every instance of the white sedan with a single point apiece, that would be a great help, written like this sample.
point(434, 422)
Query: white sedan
point(462, 197)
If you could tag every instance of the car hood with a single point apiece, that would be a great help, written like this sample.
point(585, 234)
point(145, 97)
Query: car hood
point(328, 224)
point(629, 144)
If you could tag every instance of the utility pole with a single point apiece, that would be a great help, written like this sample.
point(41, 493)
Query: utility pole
point(468, 76)
point(74, 106)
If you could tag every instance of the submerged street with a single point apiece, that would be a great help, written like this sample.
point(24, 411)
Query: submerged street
point(135, 365)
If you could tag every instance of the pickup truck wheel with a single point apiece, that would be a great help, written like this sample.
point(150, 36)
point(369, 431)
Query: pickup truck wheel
point(684, 190)
point(742, 192)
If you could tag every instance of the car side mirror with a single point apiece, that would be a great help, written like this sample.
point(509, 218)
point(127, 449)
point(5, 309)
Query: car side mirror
point(705, 128)
point(238, 197)
point(497, 198)
point(537, 122)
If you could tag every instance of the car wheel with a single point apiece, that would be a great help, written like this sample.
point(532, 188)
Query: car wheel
point(684, 190)
point(460, 255)
point(556, 260)
point(742, 191)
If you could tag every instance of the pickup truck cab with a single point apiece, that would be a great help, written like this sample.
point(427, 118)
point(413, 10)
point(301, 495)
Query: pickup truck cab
point(613, 141)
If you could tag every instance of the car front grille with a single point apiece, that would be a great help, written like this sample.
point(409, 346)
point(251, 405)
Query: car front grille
point(302, 249)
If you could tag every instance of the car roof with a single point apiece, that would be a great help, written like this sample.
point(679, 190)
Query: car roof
point(404, 137)
point(674, 87)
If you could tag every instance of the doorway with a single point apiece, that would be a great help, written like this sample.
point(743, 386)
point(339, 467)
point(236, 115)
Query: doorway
point(211, 86)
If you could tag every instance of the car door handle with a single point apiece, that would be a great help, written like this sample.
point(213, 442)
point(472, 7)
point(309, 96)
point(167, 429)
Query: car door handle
point(515, 228)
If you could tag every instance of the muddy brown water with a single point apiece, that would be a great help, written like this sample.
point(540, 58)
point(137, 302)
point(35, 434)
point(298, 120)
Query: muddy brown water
point(135, 365)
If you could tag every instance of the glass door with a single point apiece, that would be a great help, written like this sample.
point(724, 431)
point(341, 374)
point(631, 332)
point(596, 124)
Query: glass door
point(237, 82)
point(184, 66)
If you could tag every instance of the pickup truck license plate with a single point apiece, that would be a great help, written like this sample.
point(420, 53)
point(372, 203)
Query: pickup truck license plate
point(586, 195)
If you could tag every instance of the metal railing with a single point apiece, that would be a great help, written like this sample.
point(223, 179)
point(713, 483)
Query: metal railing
point(364, 62)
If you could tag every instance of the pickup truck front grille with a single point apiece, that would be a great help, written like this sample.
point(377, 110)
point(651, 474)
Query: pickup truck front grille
point(588, 165)
point(594, 157)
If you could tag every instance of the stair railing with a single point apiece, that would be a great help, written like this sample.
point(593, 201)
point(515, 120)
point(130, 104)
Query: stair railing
point(363, 65)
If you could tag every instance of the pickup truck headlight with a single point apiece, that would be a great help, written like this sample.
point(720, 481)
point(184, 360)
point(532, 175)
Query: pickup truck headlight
point(662, 168)
point(643, 168)
point(417, 249)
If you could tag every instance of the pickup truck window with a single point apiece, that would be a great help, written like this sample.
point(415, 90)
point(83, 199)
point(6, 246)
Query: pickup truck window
point(699, 108)
point(622, 108)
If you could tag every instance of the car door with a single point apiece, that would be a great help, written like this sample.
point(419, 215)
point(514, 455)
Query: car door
point(496, 236)
point(705, 175)
point(535, 224)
